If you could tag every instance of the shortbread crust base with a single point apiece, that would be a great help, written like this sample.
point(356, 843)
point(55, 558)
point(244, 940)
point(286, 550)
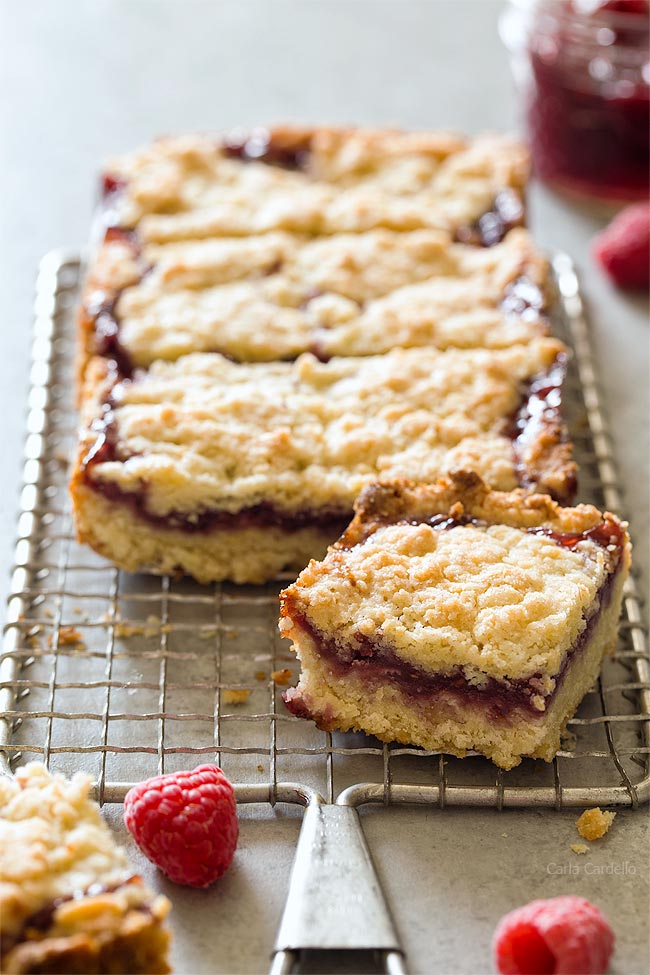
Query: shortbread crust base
point(350, 702)
point(241, 555)
point(134, 941)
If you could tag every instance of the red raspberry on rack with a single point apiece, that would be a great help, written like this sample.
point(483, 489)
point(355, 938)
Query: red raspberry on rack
point(623, 248)
point(185, 823)
point(561, 936)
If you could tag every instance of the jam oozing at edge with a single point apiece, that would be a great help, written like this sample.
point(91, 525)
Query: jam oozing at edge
point(111, 192)
point(102, 315)
point(260, 145)
point(604, 534)
point(375, 662)
point(105, 449)
point(524, 299)
point(107, 337)
point(493, 225)
point(539, 409)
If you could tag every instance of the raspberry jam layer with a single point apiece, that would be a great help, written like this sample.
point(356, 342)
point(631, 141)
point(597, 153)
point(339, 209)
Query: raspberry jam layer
point(492, 226)
point(287, 151)
point(378, 664)
point(107, 448)
point(606, 534)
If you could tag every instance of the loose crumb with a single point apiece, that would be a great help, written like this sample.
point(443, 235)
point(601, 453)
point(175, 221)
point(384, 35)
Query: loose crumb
point(260, 768)
point(594, 823)
point(236, 697)
point(232, 634)
point(281, 677)
point(260, 675)
point(68, 636)
point(126, 629)
point(153, 626)
point(579, 847)
point(206, 634)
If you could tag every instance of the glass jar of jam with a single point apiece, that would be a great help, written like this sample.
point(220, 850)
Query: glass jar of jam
point(584, 70)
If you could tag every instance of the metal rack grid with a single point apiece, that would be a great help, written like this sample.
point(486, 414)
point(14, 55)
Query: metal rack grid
point(129, 676)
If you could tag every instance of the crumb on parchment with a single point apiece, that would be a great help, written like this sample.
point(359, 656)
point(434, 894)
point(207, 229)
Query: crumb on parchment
point(579, 847)
point(67, 636)
point(594, 823)
point(235, 696)
point(281, 677)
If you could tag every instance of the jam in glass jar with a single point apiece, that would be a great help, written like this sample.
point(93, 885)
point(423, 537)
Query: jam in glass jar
point(584, 69)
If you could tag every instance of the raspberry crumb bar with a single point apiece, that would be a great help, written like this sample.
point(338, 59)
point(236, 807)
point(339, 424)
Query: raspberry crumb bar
point(223, 470)
point(272, 296)
point(457, 618)
point(68, 900)
point(337, 241)
point(318, 181)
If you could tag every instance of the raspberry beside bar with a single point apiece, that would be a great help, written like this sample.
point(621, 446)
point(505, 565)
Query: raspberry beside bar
point(68, 900)
point(457, 618)
point(222, 470)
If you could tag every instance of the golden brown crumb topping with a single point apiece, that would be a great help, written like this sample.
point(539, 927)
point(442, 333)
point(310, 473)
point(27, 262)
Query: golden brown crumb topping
point(351, 181)
point(274, 296)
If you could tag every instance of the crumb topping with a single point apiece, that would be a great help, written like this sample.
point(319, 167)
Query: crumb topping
point(579, 848)
point(274, 296)
point(204, 433)
point(54, 844)
point(235, 696)
point(351, 181)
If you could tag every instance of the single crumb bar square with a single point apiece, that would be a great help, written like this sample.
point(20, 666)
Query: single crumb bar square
point(457, 618)
point(69, 901)
point(318, 181)
point(273, 296)
point(229, 471)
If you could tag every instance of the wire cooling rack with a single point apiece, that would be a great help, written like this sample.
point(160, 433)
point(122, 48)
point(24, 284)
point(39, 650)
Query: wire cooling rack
point(129, 676)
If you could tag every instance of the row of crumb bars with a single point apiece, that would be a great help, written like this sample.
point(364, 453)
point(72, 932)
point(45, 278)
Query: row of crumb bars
point(274, 320)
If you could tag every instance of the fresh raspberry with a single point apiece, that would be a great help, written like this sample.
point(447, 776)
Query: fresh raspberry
point(623, 248)
point(185, 823)
point(561, 936)
point(638, 7)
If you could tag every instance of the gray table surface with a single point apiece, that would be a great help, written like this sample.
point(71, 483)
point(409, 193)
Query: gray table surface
point(82, 80)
